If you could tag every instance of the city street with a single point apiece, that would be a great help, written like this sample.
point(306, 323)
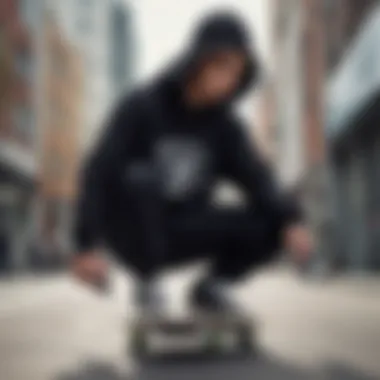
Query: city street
point(54, 329)
point(268, 109)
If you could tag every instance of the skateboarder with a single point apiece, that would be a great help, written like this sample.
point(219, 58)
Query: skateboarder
point(146, 190)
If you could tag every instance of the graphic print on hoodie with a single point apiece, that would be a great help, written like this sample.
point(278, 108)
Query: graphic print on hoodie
point(184, 165)
point(190, 148)
point(184, 158)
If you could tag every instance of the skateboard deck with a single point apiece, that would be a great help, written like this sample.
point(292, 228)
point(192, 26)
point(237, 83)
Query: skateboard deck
point(211, 334)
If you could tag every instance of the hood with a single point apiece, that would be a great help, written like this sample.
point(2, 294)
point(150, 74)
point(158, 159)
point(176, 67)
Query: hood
point(217, 32)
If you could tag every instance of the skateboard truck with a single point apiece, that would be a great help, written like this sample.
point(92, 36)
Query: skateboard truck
point(209, 335)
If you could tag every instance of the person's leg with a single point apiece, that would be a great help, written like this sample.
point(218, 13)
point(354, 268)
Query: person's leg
point(149, 221)
point(138, 237)
point(236, 242)
point(151, 239)
point(253, 241)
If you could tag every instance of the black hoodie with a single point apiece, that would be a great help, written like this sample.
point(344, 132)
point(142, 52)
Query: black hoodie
point(212, 141)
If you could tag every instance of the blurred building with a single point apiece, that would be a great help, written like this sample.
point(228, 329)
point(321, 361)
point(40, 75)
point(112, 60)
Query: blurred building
point(312, 44)
point(60, 144)
point(352, 117)
point(287, 89)
point(122, 48)
point(83, 62)
point(103, 32)
point(264, 122)
point(293, 105)
point(18, 165)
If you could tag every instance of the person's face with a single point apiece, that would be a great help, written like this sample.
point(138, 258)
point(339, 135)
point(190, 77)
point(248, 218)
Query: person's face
point(220, 75)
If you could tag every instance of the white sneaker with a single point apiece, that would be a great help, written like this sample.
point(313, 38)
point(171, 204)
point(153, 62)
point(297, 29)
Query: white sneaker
point(150, 300)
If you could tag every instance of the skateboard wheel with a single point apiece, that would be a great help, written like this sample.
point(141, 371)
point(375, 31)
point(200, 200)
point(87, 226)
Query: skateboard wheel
point(246, 343)
point(213, 342)
point(246, 346)
point(138, 344)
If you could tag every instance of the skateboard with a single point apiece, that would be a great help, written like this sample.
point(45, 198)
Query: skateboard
point(198, 333)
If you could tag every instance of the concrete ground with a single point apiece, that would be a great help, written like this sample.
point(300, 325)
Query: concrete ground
point(54, 329)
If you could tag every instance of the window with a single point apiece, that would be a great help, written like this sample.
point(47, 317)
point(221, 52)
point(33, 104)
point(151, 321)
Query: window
point(57, 115)
point(91, 64)
point(50, 216)
point(332, 10)
point(281, 22)
point(24, 65)
point(330, 6)
point(55, 167)
point(85, 18)
point(86, 3)
point(85, 14)
point(84, 25)
point(278, 129)
point(118, 46)
point(58, 62)
point(285, 16)
point(5, 68)
point(23, 121)
point(27, 9)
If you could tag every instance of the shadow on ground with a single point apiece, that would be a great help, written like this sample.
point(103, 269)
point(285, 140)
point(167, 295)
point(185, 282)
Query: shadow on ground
point(261, 367)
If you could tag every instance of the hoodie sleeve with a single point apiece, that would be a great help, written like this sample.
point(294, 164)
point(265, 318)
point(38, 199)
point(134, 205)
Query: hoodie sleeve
point(103, 166)
point(244, 165)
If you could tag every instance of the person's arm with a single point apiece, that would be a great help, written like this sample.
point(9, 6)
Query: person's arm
point(106, 162)
point(243, 164)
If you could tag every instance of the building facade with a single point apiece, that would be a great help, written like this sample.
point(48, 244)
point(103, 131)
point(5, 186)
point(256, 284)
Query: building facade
point(122, 48)
point(295, 111)
point(18, 166)
point(315, 99)
point(288, 91)
point(352, 100)
point(264, 127)
point(60, 144)
point(103, 32)
point(84, 62)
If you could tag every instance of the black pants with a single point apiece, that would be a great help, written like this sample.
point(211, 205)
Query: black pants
point(234, 241)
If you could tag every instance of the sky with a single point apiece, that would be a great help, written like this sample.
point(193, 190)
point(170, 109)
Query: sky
point(163, 27)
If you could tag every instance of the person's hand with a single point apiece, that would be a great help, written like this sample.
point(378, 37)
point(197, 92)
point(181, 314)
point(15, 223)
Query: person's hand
point(298, 241)
point(90, 268)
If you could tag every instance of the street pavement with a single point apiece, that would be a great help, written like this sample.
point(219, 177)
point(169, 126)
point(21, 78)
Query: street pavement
point(55, 329)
